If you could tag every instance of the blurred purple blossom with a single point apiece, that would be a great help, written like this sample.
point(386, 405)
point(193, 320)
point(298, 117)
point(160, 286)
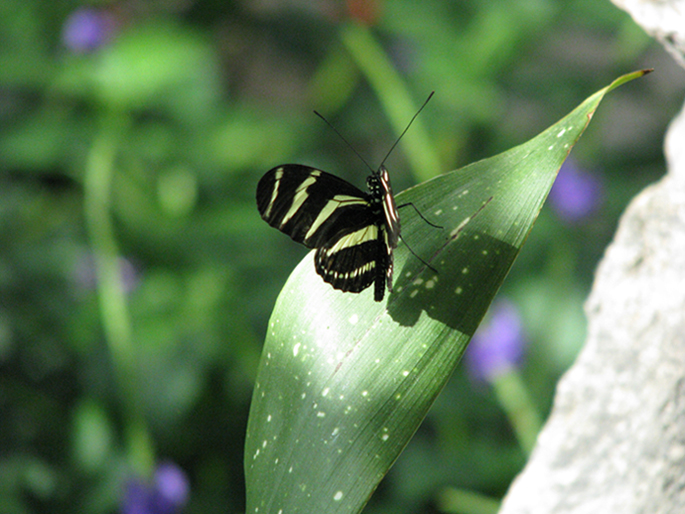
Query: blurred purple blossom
point(497, 345)
point(85, 273)
point(172, 485)
point(167, 494)
point(576, 193)
point(87, 29)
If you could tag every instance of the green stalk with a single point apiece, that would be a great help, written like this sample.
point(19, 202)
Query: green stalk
point(395, 98)
point(514, 398)
point(114, 312)
point(452, 500)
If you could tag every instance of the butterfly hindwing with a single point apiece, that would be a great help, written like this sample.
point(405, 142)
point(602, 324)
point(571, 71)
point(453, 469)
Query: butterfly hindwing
point(351, 262)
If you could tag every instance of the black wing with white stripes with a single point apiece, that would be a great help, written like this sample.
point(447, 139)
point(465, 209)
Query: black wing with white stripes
point(354, 232)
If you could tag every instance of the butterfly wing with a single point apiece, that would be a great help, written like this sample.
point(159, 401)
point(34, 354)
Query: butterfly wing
point(311, 206)
point(353, 261)
point(346, 225)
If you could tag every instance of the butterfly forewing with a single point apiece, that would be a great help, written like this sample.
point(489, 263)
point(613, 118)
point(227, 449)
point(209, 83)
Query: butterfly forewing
point(310, 205)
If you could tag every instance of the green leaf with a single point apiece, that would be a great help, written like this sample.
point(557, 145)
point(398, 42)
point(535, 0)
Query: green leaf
point(344, 382)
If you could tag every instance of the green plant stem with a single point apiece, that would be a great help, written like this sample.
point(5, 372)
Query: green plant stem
point(395, 98)
point(461, 501)
point(114, 313)
point(514, 398)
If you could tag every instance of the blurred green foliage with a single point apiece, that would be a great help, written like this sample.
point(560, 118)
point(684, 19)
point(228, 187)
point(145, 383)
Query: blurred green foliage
point(136, 277)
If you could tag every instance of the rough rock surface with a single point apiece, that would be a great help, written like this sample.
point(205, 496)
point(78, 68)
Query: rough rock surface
point(615, 441)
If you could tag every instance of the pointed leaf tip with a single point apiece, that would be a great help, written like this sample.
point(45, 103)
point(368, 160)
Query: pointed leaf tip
point(628, 77)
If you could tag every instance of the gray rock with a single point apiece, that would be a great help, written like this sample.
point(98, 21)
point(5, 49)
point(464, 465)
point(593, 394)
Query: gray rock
point(615, 441)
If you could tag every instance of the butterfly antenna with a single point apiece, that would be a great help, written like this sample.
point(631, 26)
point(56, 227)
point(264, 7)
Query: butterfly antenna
point(407, 128)
point(345, 140)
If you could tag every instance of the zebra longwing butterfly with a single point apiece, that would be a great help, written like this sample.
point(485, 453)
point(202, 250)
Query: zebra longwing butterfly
point(354, 232)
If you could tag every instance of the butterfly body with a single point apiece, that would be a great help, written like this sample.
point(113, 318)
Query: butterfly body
point(354, 232)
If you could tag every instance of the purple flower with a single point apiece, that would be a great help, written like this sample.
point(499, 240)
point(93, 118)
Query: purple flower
point(171, 487)
point(87, 29)
point(497, 345)
point(167, 494)
point(576, 193)
point(85, 273)
point(137, 498)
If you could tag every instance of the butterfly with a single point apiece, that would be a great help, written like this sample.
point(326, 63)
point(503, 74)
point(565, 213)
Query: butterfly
point(354, 232)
